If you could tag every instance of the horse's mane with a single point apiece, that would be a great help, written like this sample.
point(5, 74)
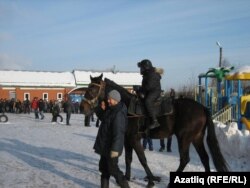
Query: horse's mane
point(110, 85)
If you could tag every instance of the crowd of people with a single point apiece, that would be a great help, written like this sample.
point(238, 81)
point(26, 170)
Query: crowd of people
point(40, 106)
point(25, 106)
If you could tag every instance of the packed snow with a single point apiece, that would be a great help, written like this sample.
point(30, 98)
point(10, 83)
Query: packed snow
point(38, 154)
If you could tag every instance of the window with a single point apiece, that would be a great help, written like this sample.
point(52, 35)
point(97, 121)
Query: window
point(59, 96)
point(26, 96)
point(12, 95)
point(45, 96)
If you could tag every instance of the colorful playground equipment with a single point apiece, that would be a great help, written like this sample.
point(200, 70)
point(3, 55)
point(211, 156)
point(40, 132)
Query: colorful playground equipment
point(213, 97)
point(241, 78)
point(226, 101)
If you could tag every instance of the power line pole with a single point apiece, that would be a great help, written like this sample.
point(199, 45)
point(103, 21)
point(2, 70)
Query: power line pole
point(220, 60)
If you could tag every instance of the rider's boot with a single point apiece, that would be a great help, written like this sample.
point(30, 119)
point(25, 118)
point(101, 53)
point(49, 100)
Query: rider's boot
point(153, 123)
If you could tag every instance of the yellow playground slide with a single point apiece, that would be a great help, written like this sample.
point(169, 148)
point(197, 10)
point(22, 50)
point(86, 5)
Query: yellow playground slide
point(246, 122)
point(245, 100)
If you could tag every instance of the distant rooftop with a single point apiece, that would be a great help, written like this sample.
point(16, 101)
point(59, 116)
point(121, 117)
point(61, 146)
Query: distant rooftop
point(122, 78)
point(12, 78)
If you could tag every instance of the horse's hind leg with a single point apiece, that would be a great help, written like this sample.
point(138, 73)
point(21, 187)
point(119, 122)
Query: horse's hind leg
point(200, 148)
point(183, 146)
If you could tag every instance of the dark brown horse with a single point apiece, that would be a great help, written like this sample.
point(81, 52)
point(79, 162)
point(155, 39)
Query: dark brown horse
point(188, 122)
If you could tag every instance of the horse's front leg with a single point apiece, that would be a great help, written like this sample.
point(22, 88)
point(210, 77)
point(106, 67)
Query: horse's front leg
point(142, 158)
point(128, 159)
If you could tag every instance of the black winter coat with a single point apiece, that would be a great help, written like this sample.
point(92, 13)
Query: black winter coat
point(151, 82)
point(55, 110)
point(110, 136)
point(41, 105)
point(68, 106)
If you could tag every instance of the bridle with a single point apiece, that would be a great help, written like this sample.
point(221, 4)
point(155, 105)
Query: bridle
point(94, 102)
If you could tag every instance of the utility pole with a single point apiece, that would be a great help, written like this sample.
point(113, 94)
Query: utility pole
point(218, 81)
point(220, 60)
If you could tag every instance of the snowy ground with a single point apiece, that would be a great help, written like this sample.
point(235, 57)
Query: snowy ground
point(39, 154)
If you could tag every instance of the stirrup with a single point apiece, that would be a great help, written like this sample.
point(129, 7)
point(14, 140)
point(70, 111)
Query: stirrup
point(146, 132)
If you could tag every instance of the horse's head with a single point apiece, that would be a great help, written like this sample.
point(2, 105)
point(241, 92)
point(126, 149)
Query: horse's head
point(93, 95)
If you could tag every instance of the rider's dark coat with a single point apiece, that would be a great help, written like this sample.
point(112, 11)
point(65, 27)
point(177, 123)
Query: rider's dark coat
point(151, 88)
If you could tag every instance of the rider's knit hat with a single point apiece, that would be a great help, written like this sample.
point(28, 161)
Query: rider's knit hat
point(114, 94)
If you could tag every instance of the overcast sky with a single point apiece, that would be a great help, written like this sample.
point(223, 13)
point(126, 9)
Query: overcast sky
point(177, 35)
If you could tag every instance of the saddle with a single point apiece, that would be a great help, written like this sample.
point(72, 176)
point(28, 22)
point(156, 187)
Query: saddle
point(163, 106)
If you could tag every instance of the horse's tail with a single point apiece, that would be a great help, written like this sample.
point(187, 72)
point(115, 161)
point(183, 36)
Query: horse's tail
point(213, 145)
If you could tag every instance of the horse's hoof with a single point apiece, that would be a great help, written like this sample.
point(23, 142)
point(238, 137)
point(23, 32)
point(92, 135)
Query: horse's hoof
point(157, 178)
point(150, 185)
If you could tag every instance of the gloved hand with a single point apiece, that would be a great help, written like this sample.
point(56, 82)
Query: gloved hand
point(141, 95)
point(114, 154)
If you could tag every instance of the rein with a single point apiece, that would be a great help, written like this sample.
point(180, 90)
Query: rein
point(93, 102)
point(133, 116)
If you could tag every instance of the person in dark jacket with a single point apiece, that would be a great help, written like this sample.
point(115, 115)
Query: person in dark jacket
point(68, 108)
point(27, 106)
point(41, 108)
point(150, 89)
point(110, 139)
point(55, 111)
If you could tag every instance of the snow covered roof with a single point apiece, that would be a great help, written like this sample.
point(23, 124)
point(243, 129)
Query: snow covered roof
point(36, 78)
point(13, 78)
point(121, 78)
